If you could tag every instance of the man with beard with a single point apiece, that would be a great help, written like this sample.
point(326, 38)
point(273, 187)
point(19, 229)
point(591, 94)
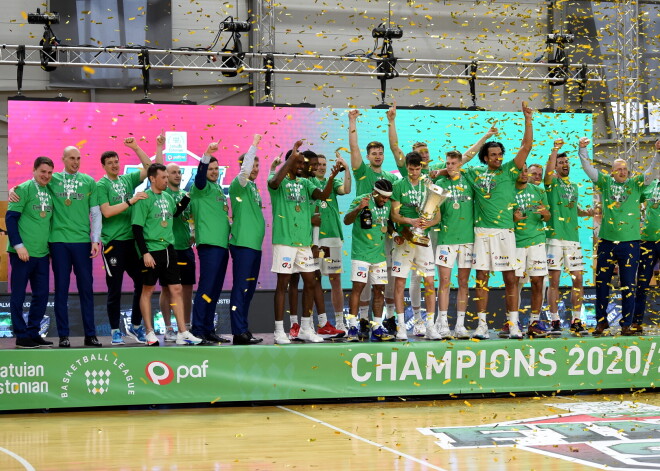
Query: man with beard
point(292, 238)
point(365, 176)
point(369, 215)
point(183, 240)
point(563, 240)
point(494, 244)
point(619, 235)
point(530, 212)
point(116, 197)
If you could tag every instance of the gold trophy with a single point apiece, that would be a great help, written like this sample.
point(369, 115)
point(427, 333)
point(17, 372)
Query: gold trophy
point(433, 198)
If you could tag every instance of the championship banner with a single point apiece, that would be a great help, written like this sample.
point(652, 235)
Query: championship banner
point(140, 375)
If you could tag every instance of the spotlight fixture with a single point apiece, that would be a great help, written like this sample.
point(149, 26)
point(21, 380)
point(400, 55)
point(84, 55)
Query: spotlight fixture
point(49, 39)
point(235, 26)
point(386, 61)
point(48, 18)
point(560, 38)
point(381, 31)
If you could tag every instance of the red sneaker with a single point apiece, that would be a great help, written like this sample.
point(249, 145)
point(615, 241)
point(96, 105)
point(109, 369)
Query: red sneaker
point(294, 331)
point(328, 331)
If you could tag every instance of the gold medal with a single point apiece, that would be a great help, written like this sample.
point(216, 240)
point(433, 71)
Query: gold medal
point(42, 214)
point(655, 205)
point(570, 205)
point(298, 208)
point(487, 196)
point(456, 205)
point(617, 205)
point(67, 202)
point(226, 208)
point(383, 229)
point(163, 223)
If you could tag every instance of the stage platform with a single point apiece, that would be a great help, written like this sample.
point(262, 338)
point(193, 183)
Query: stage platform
point(136, 375)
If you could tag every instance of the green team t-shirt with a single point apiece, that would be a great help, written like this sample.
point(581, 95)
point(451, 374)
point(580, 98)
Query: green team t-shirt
point(211, 214)
point(456, 223)
point(369, 244)
point(410, 196)
point(114, 192)
point(426, 169)
point(651, 227)
point(71, 222)
point(181, 224)
point(563, 200)
point(329, 210)
point(292, 212)
point(530, 231)
point(365, 177)
point(248, 227)
point(494, 194)
point(36, 208)
point(621, 208)
point(150, 214)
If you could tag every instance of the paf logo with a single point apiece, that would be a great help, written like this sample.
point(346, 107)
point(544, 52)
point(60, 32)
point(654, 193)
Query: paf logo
point(619, 436)
point(161, 373)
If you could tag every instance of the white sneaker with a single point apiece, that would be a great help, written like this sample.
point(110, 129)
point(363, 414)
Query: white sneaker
point(170, 335)
point(281, 338)
point(460, 332)
point(152, 340)
point(309, 335)
point(401, 332)
point(481, 333)
point(341, 326)
point(443, 330)
point(186, 338)
point(431, 333)
point(419, 328)
point(515, 332)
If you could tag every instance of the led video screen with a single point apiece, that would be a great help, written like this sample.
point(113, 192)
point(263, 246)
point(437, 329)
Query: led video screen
point(46, 128)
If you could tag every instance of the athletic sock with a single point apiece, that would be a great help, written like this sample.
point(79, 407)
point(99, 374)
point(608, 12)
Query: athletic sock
point(391, 310)
point(400, 318)
point(339, 317)
point(460, 319)
point(513, 318)
point(279, 326)
point(534, 317)
point(482, 318)
point(293, 319)
point(305, 323)
point(554, 316)
point(323, 319)
point(417, 313)
point(364, 312)
point(378, 320)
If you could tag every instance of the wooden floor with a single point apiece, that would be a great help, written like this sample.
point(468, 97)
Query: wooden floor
point(353, 436)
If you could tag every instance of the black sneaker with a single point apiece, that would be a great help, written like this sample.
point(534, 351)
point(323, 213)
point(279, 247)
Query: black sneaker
point(215, 338)
point(390, 324)
point(64, 342)
point(555, 328)
point(26, 343)
point(577, 327)
point(365, 330)
point(92, 341)
point(42, 342)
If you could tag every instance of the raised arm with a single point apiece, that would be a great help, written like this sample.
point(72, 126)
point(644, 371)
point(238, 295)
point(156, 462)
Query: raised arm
point(317, 194)
point(399, 156)
point(589, 169)
point(132, 144)
point(160, 147)
point(528, 137)
point(248, 161)
point(652, 171)
point(552, 162)
point(356, 155)
point(472, 151)
point(200, 178)
point(274, 183)
point(345, 189)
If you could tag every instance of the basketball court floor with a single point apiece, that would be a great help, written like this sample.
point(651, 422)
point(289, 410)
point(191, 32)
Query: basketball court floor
point(567, 433)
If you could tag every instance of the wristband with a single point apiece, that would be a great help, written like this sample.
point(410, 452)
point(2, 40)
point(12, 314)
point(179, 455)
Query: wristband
point(128, 202)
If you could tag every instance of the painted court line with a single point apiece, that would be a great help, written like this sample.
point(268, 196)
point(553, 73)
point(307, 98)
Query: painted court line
point(18, 458)
point(357, 437)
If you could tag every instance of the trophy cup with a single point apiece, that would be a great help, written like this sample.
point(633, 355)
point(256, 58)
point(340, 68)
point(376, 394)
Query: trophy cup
point(430, 204)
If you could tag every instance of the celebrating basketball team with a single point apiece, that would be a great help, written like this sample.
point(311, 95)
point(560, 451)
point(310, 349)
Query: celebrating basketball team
point(419, 223)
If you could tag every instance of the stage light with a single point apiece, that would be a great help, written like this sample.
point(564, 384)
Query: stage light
point(48, 18)
point(49, 40)
point(387, 33)
point(560, 38)
point(235, 26)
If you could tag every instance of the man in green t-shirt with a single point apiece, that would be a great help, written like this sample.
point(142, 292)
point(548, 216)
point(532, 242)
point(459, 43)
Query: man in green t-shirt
point(116, 195)
point(152, 228)
point(292, 238)
point(183, 240)
point(649, 250)
point(247, 235)
point(621, 195)
point(364, 177)
point(563, 242)
point(529, 214)
point(494, 240)
point(369, 214)
point(28, 227)
point(407, 197)
point(330, 242)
